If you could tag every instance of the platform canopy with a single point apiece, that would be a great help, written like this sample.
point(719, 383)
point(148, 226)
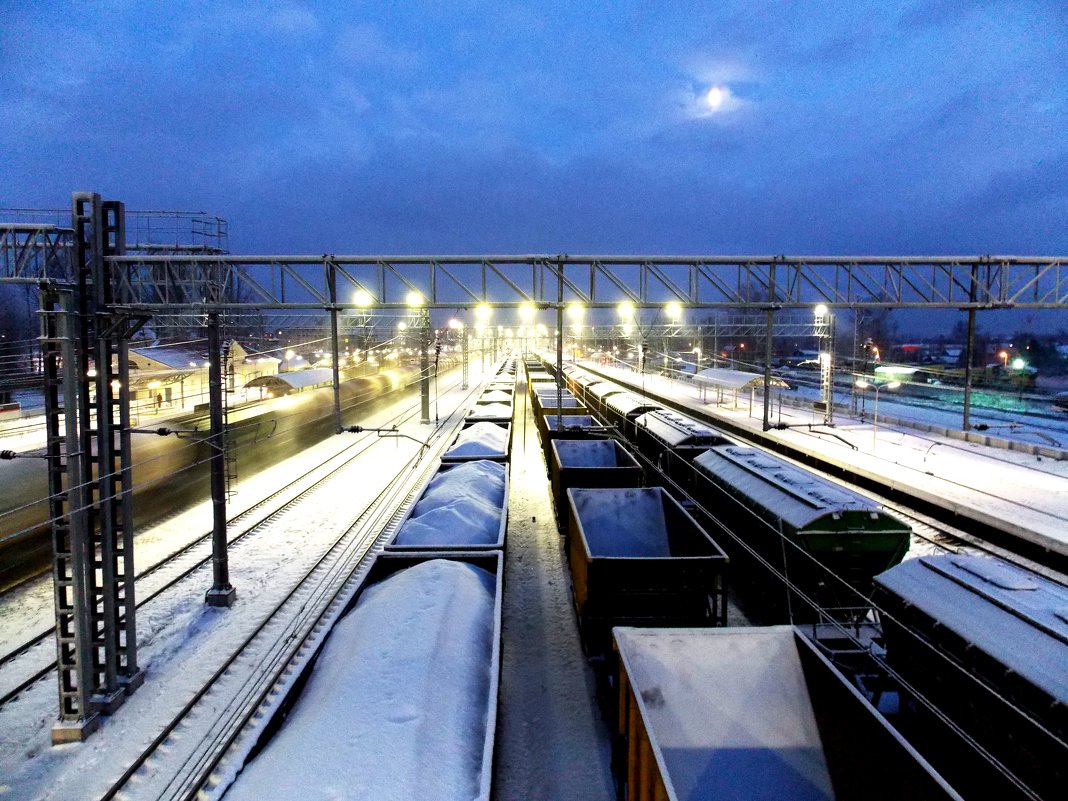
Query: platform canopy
point(721, 378)
point(297, 379)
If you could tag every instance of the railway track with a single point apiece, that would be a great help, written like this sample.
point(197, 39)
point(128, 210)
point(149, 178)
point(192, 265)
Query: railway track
point(32, 660)
point(181, 759)
point(205, 714)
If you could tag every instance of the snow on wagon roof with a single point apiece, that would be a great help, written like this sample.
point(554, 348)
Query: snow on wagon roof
point(677, 429)
point(797, 496)
point(1017, 617)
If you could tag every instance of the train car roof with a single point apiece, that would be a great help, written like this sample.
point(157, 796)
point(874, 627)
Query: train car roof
point(603, 389)
point(1017, 617)
point(626, 402)
point(679, 430)
point(799, 497)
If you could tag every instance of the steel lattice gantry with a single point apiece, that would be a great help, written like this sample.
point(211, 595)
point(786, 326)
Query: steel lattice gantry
point(35, 251)
point(90, 474)
point(740, 282)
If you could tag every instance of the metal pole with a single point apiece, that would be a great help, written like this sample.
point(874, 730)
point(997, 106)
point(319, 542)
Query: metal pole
point(828, 387)
point(969, 356)
point(559, 344)
point(424, 366)
point(222, 593)
point(767, 372)
point(875, 421)
point(464, 346)
point(71, 553)
point(969, 352)
point(331, 283)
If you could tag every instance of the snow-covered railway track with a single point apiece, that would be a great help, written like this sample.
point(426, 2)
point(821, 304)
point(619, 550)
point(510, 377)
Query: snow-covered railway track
point(34, 659)
point(180, 760)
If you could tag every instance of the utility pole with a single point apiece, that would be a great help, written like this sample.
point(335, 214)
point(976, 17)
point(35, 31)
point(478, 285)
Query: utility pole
point(222, 593)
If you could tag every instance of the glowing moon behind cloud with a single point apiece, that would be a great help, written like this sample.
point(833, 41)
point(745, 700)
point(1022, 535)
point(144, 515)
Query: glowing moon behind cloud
point(716, 97)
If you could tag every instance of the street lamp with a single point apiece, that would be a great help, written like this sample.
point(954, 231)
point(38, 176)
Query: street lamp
point(575, 312)
point(824, 325)
point(627, 319)
point(862, 384)
point(1004, 356)
point(364, 300)
point(482, 315)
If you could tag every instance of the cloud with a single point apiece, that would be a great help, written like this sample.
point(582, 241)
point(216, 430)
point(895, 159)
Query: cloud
point(365, 45)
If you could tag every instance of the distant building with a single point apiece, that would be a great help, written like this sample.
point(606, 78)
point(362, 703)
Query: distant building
point(179, 374)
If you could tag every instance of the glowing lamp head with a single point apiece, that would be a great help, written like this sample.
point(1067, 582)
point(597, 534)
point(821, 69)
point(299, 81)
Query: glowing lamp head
point(575, 312)
point(414, 299)
point(402, 326)
point(289, 355)
point(526, 312)
point(821, 310)
point(482, 312)
point(626, 310)
point(673, 310)
point(1018, 364)
point(361, 297)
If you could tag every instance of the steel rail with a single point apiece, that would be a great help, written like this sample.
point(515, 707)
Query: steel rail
point(189, 547)
point(348, 553)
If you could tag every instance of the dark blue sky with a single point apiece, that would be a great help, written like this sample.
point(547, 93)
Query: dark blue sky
point(917, 127)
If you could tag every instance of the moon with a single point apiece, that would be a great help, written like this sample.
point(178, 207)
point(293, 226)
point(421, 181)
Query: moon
point(716, 97)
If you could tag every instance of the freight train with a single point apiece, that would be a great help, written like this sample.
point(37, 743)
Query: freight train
point(828, 541)
point(170, 473)
point(986, 642)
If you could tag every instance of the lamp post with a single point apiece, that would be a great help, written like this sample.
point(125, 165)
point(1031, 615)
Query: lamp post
point(458, 326)
point(363, 299)
point(415, 301)
point(626, 316)
point(575, 312)
point(862, 384)
point(482, 315)
point(824, 325)
point(526, 315)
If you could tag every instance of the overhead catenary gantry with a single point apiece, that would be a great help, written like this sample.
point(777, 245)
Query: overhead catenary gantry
point(738, 282)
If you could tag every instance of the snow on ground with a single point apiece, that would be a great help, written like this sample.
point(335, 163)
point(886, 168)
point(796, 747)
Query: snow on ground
point(397, 704)
point(181, 640)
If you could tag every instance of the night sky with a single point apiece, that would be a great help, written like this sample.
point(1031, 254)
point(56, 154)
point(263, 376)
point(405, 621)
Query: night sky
point(713, 127)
